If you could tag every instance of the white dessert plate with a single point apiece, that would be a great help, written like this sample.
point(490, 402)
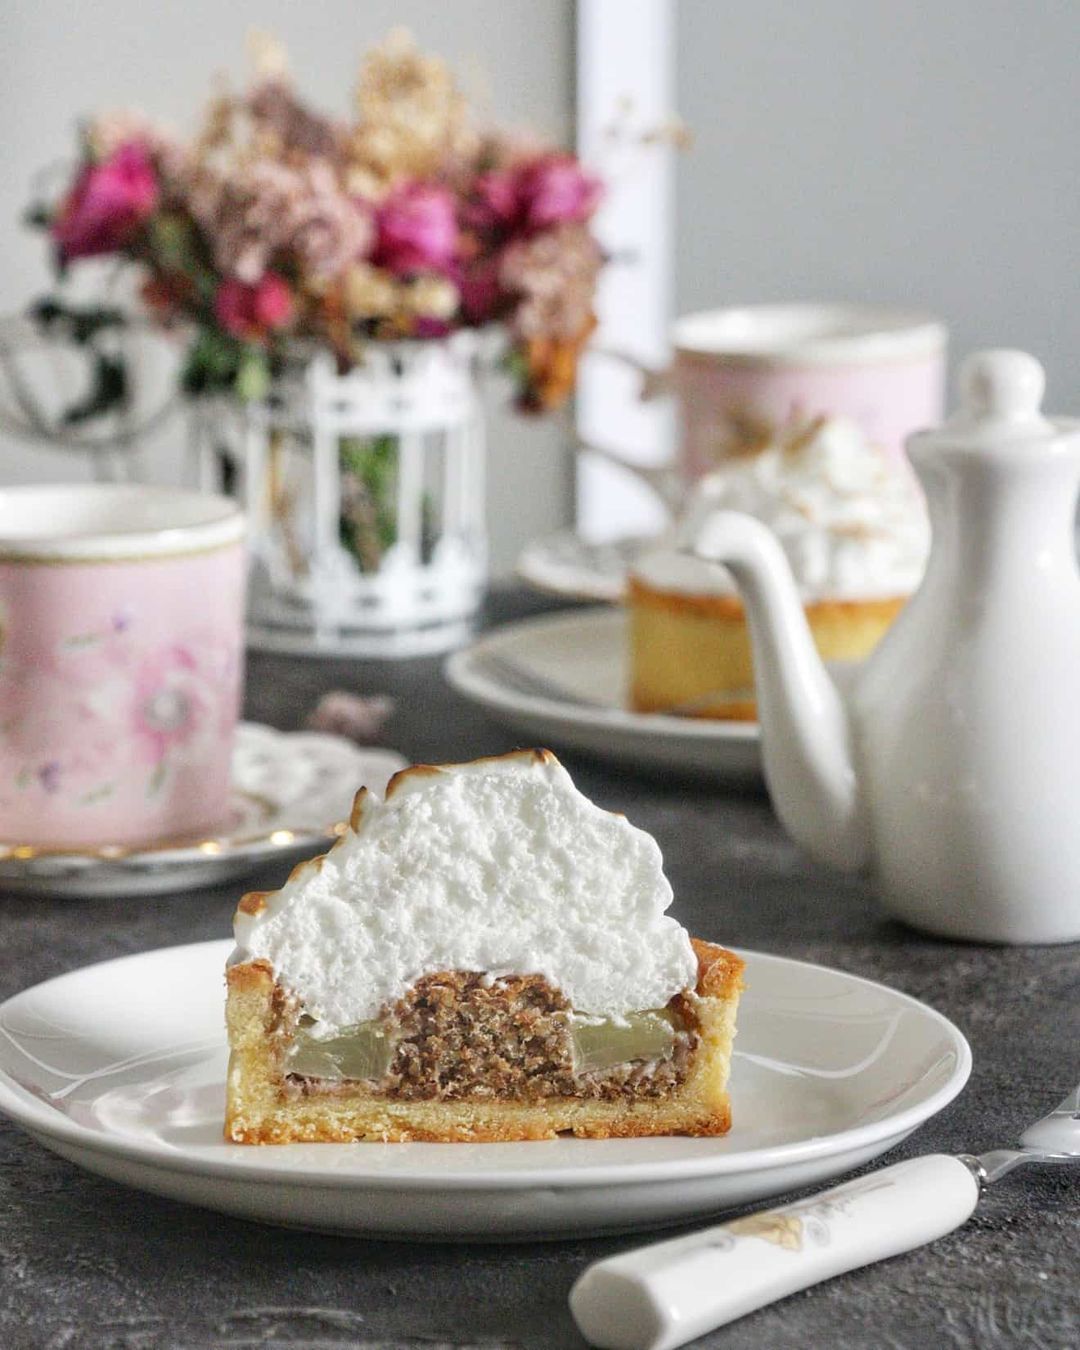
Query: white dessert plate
point(563, 563)
point(120, 1067)
point(561, 680)
point(291, 794)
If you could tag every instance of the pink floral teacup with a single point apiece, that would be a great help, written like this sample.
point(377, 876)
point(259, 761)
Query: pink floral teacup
point(121, 658)
point(745, 374)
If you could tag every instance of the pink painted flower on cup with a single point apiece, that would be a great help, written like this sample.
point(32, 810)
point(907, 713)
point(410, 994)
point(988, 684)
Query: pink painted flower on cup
point(250, 312)
point(169, 705)
point(417, 230)
point(555, 190)
point(107, 203)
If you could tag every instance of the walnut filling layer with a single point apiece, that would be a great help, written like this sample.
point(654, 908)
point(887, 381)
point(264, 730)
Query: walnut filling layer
point(461, 1036)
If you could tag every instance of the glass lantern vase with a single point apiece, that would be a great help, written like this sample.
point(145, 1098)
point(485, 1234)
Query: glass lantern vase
point(365, 498)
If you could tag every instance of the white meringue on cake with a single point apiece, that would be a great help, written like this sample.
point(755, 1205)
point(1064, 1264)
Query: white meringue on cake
point(850, 518)
point(852, 522)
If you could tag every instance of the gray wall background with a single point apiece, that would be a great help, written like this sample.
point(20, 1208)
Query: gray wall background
point(63, 58)
point(923, 153)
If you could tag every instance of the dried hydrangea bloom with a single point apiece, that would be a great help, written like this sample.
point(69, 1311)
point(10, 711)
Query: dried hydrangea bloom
point(200, 188)
point(413, 119)
point(554, 274)
point(430, 297)
point(325, 228)
point(269, 208)
point(122, 126)
point(218, 130)
point(275, 107)
point(268, 54)
point(369, 292)
point(252, 217)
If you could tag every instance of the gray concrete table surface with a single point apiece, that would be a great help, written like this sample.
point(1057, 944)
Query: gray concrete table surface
point(87, 1263)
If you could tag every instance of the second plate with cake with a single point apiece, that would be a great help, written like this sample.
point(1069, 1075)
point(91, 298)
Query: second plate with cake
point(562, 680)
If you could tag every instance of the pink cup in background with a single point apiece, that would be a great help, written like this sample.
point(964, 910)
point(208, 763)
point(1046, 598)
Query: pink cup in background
point(121, 660)
point(742, 373)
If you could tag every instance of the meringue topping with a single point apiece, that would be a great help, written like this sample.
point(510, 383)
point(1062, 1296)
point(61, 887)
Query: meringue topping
point(500, 866)
point(851, 518)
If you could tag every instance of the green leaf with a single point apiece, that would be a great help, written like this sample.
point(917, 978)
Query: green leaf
point(253, 377)
point(368, 522)
point(514, 363)
point(213, 360)
point(218, 352)
point(172, 243)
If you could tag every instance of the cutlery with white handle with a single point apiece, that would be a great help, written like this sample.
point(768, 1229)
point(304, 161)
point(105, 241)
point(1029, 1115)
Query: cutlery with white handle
point(663, 1295)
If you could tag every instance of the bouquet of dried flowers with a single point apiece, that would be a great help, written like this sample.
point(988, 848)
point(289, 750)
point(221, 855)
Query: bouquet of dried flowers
point(277, 224)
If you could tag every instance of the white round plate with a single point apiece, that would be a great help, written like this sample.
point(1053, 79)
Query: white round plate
point(291, 793)
point(577, 661)
point(563, 563)
point(120, 1068)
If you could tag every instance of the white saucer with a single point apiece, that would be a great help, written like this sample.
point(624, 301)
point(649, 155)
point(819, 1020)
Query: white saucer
point(584, 653)
point(120, 1068)
point(563, 563)
point(291, 794)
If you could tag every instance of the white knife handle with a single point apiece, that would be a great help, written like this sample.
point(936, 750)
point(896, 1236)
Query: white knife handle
point(661, 1296)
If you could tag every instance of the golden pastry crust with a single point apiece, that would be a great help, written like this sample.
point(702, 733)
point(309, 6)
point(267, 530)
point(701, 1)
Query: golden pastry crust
point(695, 649)
point(264, 1107)
point(731, 607)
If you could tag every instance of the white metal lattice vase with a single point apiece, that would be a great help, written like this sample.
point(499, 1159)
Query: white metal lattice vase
point(365, 497)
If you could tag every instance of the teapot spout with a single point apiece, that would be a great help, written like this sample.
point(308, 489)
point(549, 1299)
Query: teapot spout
point(806, 732)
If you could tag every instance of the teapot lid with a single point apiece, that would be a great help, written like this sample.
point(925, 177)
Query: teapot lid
point(1000, 406)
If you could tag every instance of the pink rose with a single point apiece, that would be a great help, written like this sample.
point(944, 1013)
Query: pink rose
point(107, 203)
point(427, 326)
point(250, 312)
point(555, 190)
point(495, 201)
point(482, 294)
point(417, 230)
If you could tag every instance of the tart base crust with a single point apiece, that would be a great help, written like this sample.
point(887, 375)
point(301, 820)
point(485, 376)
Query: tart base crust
point(262, 1109)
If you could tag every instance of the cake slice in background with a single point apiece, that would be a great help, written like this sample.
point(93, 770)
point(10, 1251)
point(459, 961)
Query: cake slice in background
point(485, 955)
point(853, 524)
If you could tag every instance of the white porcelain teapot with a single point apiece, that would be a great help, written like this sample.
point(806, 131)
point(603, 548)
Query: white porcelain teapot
point(950, 769)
